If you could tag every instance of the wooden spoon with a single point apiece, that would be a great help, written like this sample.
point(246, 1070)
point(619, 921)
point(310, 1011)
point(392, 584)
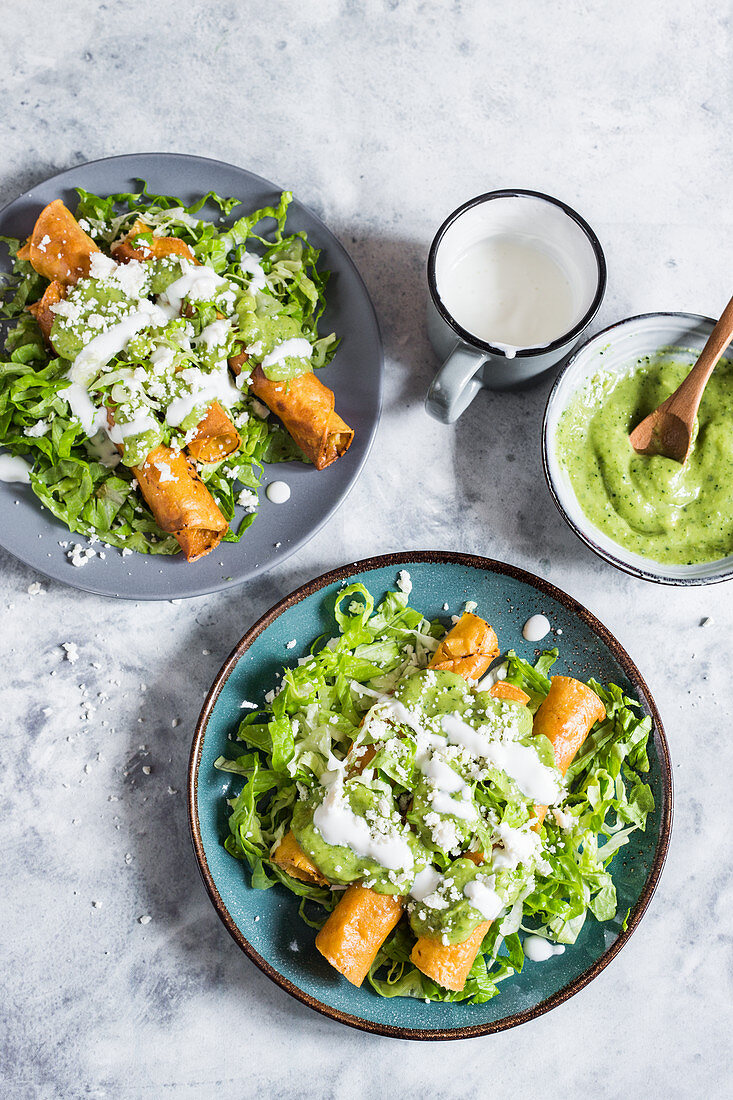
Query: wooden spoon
point(668, 430)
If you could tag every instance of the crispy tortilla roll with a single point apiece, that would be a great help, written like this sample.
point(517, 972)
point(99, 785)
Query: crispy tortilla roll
point(305, 407)
point(180, 502)
point(216, 437)
point(502, 690)
point(127, 249)
point(468, 649)
point(449, 965)
point(41, 309)
point(357, 928)
point(290, 856)
point(58, 248)
point(565, 717)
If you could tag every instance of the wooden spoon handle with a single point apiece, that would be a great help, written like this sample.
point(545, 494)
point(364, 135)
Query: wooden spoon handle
point(697, 379)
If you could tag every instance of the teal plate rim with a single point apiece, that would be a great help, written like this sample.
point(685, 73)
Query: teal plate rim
point(401, 560)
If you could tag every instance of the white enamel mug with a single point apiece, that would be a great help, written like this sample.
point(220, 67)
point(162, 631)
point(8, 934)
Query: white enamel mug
point(471, 363)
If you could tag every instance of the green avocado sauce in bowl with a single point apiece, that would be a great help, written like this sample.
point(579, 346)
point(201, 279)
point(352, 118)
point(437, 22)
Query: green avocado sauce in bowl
point(647, 515)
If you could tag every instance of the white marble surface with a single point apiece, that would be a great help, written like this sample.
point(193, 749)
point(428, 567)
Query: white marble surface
point(383, 116)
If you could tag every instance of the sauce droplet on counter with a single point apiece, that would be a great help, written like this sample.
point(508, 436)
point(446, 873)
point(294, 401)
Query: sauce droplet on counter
point(535, 628)
point(278, 492)
point(14, 470)
point(538, 949)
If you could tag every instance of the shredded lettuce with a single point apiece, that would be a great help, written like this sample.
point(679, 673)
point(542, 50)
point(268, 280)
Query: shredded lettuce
point(314, 713)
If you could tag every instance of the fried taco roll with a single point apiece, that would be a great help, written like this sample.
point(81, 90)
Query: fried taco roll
point(216, 437)
point(41, 309)
point(468, 649)
point(128, 249)
point(565, 717)
point(306, 408)
point(180, 502)
point(503, 690)
point(290, 856)
point(357, 928)
point(58, 248)
point(449, 965)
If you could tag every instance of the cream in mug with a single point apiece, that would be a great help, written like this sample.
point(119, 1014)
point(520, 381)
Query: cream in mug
point(510, 292)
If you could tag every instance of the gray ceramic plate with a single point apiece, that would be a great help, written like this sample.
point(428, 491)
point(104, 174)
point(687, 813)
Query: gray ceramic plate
point(355, 376)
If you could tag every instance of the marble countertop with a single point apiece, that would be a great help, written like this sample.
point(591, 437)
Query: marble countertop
point(383, 116)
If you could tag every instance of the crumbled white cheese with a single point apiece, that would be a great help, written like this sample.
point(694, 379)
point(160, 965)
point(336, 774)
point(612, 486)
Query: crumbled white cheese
point(404, 582)
point(72, 651)
point(35, 589)
point(80, 555)
point(38, 429)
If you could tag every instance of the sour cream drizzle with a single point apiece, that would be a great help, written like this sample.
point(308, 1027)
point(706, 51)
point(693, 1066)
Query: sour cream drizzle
point(297, 347)
point(538, 949)
point(339, 825)
point(206, 386)
point(197, 283)
point(98, 352)
point(14, 470)
point(520, 762)
point(482, 895)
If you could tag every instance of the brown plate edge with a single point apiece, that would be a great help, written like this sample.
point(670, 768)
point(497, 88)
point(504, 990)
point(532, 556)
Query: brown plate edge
point(436, 557)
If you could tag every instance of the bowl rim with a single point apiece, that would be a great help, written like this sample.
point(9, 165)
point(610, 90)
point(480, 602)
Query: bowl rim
point(565, 338)
point(436, 557)
point(617, 561)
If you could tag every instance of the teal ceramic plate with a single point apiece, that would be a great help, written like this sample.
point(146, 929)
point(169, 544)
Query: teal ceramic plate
point(279, 942)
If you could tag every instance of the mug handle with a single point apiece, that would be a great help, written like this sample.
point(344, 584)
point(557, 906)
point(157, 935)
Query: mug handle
point(455, 385)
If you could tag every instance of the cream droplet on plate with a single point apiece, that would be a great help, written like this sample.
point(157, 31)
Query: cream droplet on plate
point(14, 470)
point(535, 628)
point(279, 491)
point(538, 949)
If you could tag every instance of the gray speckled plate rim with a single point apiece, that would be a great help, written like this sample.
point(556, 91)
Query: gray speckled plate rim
point(187, 588)
point(400, 560)
point(583, 535)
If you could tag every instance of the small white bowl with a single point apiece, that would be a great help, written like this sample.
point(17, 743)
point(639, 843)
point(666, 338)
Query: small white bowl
point(616, 348)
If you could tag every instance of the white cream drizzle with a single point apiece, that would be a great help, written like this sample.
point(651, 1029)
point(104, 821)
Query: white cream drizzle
point(197, 283)
point(14, 470)
point(538, 949)
point(250, 265)
point(205, 387)
point(100, 349)
point(297, 347)
point(426, 882)
point(339, 825)
point(520, 762)
point(92, 419)
point(482, 895)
